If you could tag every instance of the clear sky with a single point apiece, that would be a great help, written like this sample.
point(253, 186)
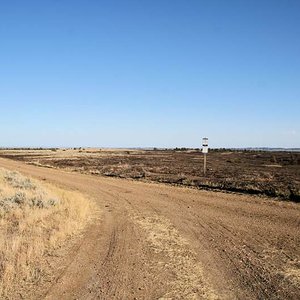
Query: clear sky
point(150, 73)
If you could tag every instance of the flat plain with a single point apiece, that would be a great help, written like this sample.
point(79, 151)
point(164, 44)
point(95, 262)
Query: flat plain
point(153, 240)
point(271, 173)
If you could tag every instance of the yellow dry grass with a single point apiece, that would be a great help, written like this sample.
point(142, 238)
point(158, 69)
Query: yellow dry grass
point(35, 219)
point(189, 281)
point(293, 274)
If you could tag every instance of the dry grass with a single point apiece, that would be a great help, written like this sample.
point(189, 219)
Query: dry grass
point(35, 219)
point(293, 274)
point(188, 281)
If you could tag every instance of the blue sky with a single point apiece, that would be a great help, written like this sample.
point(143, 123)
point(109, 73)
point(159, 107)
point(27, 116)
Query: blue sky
point(150, 73)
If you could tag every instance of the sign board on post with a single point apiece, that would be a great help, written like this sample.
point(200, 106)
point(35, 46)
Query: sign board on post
point(204, 151)
point(205, 145)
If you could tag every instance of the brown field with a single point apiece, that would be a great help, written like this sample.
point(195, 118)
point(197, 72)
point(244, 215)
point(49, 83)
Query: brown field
point(157, 241)
point(276, 174)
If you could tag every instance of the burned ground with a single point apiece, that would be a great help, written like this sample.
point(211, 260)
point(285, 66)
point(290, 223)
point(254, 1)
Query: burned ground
point(276, 174)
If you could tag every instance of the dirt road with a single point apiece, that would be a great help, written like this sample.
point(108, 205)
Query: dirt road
point(154, 241)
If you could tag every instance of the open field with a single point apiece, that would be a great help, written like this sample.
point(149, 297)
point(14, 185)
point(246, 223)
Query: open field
point(36, 219)
point(157, 241)
point(276, 174)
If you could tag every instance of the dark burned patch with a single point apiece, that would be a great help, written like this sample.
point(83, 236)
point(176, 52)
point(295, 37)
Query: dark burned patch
point(275, 174)
point(294, 196)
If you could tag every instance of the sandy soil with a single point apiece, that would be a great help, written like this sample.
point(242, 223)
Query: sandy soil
point(154, 241)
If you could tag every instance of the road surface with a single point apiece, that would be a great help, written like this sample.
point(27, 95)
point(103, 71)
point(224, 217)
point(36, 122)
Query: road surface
point(154, 241)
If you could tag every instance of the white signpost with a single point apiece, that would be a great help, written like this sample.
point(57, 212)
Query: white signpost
point(204, 151)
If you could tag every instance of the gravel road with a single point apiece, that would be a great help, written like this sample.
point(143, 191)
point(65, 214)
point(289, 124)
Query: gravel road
point(154, 241)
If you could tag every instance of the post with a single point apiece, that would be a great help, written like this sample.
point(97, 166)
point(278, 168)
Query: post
point(204, 151)
point(204, 166)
